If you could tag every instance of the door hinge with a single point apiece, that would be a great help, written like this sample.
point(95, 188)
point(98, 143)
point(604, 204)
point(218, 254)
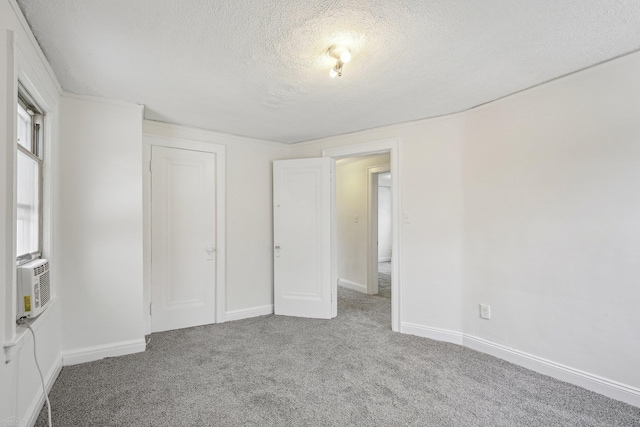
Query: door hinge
point(150, 166)
point(150, 309)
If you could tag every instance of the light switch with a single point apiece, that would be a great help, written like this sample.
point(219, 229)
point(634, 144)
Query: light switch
point(210, 249)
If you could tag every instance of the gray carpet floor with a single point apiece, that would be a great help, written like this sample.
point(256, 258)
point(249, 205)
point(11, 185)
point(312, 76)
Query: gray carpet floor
point(352, 370)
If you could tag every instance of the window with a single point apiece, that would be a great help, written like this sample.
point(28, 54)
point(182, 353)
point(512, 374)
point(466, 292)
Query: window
point(29, 179)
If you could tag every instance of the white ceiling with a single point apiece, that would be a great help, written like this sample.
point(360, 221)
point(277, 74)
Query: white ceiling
point(260, 69)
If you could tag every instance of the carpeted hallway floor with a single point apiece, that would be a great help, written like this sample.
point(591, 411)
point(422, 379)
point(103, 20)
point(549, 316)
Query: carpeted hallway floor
point(352, 370)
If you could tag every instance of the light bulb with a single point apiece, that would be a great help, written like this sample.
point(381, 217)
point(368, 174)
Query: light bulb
point(333, 73)
point(345, 56)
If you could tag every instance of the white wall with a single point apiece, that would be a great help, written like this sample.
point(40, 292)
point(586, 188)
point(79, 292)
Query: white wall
point(352, 202)
point(100, 227)
point(384, 220)
point(249, 234)
point(20, 389)
point(552, 221)
point(529, 204)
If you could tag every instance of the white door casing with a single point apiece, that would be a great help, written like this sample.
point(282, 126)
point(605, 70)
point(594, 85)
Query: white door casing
point(391, 146)
point(183, 238)
point(305, 279)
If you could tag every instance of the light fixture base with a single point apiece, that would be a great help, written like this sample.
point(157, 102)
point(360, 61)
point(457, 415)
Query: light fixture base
point(342, 55)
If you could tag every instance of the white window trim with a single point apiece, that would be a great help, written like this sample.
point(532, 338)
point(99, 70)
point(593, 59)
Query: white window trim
point(44, 93)
point(36, 153)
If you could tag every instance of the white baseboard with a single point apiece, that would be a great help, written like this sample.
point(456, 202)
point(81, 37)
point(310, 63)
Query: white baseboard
point(384, 259)
point(89, 354)
point(38, 400)
point(437, 334)
point(598, 384)
point(246, 313)
point(352, 285)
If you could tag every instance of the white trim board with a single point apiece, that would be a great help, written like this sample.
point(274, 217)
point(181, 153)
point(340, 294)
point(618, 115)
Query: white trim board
point(172, 130)
point(354, 286)
point(437, 334)
point(103, 100)
point(26, 29)
point(595, 383)
point(89, 354)
point(384, 259)
point(246, 313)
point(38, 400)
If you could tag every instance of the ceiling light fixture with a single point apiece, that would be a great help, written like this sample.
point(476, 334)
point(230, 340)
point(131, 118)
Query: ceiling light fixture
point(342, 56)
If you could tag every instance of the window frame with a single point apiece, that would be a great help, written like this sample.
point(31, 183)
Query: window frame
point(35, 153)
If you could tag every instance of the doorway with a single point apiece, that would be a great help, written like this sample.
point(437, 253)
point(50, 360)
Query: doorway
point(183, 237)
point(390, 147)
point(358, 223)
point(322, 259)
point(184, 215)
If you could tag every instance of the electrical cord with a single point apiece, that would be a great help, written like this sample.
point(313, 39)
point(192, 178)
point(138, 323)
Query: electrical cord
point(23, 321)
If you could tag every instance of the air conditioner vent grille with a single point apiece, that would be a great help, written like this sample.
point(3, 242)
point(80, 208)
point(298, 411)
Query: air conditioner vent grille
point(41, 268)
point(44, 288)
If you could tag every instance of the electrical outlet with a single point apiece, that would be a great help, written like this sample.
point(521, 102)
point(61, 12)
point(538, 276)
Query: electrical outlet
point(485, 311)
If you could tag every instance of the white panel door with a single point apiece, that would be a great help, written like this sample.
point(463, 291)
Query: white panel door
point(183, 238)
point(304, 274)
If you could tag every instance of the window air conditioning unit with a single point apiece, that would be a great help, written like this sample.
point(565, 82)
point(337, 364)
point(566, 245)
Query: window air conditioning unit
point(34, 288)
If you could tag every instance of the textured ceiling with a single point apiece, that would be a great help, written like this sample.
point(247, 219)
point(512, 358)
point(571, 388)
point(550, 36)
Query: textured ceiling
point(260, 69)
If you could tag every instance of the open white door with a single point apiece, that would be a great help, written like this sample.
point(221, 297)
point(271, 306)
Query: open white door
point(303, 217)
